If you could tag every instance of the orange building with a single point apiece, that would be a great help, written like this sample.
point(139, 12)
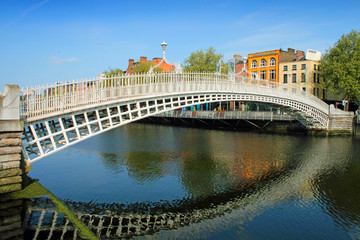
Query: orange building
point(165, 66)
point(265, 65)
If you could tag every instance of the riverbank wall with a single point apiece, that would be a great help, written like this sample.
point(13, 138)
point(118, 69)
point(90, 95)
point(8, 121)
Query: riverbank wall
point(12, 167)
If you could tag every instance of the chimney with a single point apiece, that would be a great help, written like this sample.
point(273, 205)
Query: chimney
point(131, 62)
point(237, 58)
point(143, 59)
point(291, 50)
point(300, 54)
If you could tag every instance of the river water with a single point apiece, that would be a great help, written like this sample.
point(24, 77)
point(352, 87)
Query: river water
point(185, 183)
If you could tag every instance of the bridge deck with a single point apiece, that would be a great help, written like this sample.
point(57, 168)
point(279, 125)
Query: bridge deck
point(60, 115)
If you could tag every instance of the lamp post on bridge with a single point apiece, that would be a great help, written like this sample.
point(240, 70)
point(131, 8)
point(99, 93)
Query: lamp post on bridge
point(163, 46)
point(164, 60)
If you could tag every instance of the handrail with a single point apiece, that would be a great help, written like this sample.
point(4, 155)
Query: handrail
point(60, 97)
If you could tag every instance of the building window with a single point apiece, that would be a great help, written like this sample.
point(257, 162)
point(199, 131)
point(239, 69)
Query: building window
point(314, 93)
point(272, 74)
point(303, 66)
point(304, 89)
point(303, 77)
point(294, 77)
point(272, 62)
point(318, 92)
point(253, 75)
point(285, 78)
point(262, 75)
point(285, 67)
point(315, 67)
point(254, 64)
point(263, 63)
point(318, 78)
point(294, 67)
point(314, 77)
point(318, 68)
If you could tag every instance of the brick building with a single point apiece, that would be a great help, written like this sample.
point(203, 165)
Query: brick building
point(165, 66)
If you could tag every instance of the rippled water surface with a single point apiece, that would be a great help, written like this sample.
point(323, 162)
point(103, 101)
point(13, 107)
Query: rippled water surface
point(184, 183)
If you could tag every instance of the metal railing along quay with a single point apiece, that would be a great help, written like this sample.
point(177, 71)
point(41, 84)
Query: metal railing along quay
point(248, 115)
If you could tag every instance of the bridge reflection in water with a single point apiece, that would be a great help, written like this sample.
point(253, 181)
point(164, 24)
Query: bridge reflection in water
point(261, 186)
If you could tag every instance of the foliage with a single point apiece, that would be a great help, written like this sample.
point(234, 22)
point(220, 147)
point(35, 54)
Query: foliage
point(144, 67)
point(202, 61)
point(224, 68)
point(340, 67)
point(113, 71)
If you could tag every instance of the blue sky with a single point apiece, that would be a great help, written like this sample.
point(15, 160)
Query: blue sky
point(48, 41)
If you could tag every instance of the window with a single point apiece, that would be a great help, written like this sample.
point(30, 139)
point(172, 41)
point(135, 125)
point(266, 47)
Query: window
point(315, 67)
point(263, 63)
point(294, 67)
point(318, 78)
point(254, 75)
point(285, 67)
point(272, 62)
point(303, 77)
point(303, 66)
point(262, 75)
point(304, 89)
point(314, 77)
point(285, 78)
point(272, 74)
point(314, 92)
point(254, 64)
point(318, 68)
point(294, 77)
point(318, 92)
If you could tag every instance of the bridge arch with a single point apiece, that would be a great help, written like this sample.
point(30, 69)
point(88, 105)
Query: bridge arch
point(59, 116)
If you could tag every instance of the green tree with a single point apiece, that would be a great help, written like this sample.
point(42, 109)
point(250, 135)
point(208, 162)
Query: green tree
point(113, 71)
point(340, 67)
point(202, 61)
point(144, 67)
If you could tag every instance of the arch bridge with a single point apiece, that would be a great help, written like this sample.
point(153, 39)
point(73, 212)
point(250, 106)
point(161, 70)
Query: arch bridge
point(60, 115)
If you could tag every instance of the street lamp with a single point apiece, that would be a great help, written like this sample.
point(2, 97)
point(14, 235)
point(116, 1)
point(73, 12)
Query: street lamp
point(163, 46)
point(177, 66)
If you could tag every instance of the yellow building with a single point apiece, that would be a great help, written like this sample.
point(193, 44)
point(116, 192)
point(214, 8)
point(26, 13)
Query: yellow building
point(303, 74)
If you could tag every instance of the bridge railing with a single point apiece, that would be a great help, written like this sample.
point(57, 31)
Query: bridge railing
point(64, 97)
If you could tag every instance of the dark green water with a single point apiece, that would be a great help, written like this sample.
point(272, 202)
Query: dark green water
point(209, 184)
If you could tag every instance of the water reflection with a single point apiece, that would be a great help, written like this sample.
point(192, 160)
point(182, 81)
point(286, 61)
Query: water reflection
point(189, 184)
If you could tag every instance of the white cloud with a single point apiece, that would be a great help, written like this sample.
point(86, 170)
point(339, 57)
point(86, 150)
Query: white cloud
point(59, 60)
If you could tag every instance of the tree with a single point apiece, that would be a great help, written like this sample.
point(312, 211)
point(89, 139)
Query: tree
point(144, 67)
point(202, 61)
point(110, 74)
point(113, 71)
point(340, 67)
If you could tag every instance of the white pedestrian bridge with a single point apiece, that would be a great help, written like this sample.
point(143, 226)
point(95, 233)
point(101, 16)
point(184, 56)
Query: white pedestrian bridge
point(59, 115)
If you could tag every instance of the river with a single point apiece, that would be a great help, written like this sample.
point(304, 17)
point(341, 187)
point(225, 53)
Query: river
point(148, 181)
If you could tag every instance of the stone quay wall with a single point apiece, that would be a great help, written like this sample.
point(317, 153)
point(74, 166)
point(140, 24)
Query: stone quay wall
point(11, 164)
point(340, 122)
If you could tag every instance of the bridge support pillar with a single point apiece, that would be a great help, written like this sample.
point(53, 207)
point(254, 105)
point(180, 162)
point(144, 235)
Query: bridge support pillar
point(12, 168)
point(340, 122)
